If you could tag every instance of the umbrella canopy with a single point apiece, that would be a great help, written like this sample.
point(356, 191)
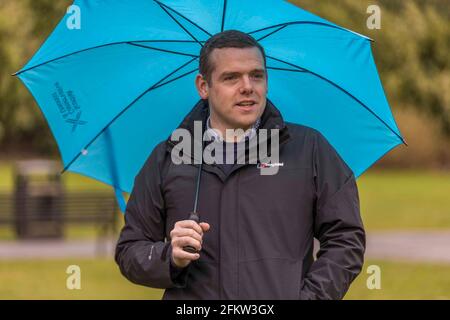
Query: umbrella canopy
point(119, 84)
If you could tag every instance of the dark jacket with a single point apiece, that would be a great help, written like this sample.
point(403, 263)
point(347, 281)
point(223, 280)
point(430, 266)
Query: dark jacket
point(260, 245)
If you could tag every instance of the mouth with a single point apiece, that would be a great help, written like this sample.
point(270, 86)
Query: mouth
point(246, 105)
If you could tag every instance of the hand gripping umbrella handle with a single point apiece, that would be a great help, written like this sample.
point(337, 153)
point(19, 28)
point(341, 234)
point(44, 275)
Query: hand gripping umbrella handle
point(194, 214)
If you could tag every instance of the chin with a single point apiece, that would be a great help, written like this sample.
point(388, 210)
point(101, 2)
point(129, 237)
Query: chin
point(248, 122)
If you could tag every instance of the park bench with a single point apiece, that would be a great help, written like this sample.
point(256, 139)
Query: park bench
point(47, 217)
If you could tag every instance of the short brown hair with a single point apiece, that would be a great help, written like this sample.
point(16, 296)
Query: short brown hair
point(225, 39)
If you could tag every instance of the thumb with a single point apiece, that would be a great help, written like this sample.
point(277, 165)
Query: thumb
point(205, 226)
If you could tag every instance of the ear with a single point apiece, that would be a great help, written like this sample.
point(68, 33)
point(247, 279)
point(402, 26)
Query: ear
point(267, 82)
point(202, 86)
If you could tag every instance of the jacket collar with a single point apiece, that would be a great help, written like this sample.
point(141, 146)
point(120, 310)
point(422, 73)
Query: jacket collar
point(216, 135)
point(270, 119)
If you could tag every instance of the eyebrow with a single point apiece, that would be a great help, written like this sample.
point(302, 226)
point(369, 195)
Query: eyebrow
point(232, 73)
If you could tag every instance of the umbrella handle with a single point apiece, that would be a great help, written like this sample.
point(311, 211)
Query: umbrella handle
point(193, 216)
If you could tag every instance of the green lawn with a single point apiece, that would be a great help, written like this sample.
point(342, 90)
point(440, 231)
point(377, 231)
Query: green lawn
point(404, 281)
point(101, 279)
point(70, 180)
point(46, 279)
point(405, 200)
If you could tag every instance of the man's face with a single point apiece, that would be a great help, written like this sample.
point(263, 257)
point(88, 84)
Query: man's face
point(238, 88)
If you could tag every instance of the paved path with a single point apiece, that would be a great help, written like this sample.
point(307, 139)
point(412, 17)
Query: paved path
point(417, 246)
point(420, 246)
point(54, 249)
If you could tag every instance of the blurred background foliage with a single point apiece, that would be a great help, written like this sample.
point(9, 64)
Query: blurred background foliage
point(411, 51)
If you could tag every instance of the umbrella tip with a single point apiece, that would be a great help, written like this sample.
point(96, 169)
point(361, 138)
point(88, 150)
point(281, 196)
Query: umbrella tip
point(404, 142)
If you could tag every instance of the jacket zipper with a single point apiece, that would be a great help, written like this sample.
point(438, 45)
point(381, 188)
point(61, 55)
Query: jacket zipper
point(220, 247)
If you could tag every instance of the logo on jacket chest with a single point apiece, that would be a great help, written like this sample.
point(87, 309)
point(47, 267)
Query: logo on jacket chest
point(269, 168)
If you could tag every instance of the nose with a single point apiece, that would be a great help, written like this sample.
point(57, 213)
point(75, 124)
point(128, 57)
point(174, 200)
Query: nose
point(247, 85)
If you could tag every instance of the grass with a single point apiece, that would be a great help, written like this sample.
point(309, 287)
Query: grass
point(405, 200)
point(101, 279)
point(71, 181)
point(401, 280)
point(6, 176)
point(46, 279)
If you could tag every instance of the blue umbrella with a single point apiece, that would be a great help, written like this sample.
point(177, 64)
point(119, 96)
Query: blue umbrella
point(119, 81)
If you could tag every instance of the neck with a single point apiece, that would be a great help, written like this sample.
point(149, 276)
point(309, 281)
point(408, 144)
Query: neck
point(238, 134)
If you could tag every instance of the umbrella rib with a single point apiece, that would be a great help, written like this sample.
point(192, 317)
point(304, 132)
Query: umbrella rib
point(307, 22)
point(156, 85)
point(289, 64)
point(223, 14)
point(184, 17)
point(285, 69)
point(282, 27)
point(176, 78)
point(92, 48)
point(177, 22)
point(165, 7)
point(112, 160)
point(163, 50)
point(348, 93)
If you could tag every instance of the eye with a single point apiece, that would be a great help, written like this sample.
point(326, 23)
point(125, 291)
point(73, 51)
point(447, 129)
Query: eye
point(230, 77)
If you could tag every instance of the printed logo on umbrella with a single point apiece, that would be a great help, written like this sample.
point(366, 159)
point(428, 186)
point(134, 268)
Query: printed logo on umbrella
point(67, 106)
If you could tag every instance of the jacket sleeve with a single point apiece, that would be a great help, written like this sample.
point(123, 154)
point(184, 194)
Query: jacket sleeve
point(142, 252)
point(337, 226)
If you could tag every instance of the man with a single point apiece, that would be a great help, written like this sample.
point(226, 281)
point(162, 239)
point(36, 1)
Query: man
point(255, 238)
